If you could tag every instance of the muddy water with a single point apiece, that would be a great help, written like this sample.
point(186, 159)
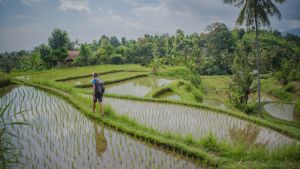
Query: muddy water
point(281, 110)
point(137, 87)
point(184, 120)
point(60, 137)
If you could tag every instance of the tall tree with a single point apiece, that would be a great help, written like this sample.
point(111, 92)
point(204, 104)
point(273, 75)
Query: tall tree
point(59, 39)
point(114, 41)
point(256, 13)
point(59, 43)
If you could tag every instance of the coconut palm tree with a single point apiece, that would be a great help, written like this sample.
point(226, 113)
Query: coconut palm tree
point(256, 13)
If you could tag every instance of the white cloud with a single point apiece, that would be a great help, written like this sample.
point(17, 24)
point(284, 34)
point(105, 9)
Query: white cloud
point(75, 5)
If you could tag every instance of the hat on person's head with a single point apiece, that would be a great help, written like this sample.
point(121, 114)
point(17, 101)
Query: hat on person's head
point(95, 74)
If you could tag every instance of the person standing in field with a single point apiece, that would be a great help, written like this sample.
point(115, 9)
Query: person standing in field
point(98, 91)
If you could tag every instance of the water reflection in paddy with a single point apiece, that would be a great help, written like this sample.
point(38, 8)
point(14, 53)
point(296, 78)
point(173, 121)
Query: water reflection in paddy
point(187, 120)
point(137, 87)
point(60, 137)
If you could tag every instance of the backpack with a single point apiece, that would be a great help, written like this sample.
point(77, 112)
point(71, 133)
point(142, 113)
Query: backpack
point(99, 87)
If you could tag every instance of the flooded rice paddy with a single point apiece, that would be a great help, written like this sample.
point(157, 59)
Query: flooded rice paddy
point(137, 87)
point(185, 121)
point(281, 110)
point(61, 137)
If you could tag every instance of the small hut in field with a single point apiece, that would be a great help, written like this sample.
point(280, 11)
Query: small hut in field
point(71, 56)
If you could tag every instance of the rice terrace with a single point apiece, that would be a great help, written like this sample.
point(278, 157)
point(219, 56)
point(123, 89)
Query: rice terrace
point(227, 96)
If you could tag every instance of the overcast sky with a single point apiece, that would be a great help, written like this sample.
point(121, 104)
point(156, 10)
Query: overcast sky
point(25, 24)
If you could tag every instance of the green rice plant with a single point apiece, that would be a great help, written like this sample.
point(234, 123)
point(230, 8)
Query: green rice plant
point(291, 152)
point(9, 154)
point(210, 142)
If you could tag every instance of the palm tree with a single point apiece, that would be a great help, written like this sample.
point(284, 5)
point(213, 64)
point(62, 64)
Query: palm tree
point(256, 13)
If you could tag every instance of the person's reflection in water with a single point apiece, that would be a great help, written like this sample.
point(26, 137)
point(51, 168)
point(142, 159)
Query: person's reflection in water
point(101, 143)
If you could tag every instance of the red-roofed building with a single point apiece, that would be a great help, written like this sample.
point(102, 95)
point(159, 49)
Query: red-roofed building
point(72, 55)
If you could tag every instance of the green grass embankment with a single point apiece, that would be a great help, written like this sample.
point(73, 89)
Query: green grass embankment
point(86, 85)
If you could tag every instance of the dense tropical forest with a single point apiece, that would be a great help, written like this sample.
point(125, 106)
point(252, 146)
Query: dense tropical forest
point(214, 52)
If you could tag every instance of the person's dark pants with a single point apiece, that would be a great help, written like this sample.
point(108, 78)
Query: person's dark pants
point(98, 97)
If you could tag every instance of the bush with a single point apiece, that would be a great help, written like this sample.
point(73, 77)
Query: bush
point(117, 59)
point(289, 88)
point(210, 142)
point(188, 88)
point(250, 108)
point(196, 80)
point(4, 80)
point(198, 98)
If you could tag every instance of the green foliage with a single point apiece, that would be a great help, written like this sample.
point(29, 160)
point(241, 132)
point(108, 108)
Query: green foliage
point(156, 65)
point(116, 59)
point(4, 80)
point(114, 41)
point(196, 80)
point(242, 84)
point(32, 62)
point(209, 53)
point(59, 39)
point(256, 11)
point(59, 43)
point(85, 57)
point(198, 97)
point(286, 72)
point(210, 142)
point(219, 47)
point(45, 53)
point(8, 152)
point(59, 55)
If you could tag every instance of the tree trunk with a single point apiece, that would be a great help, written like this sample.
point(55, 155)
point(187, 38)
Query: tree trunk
point(257, 64)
